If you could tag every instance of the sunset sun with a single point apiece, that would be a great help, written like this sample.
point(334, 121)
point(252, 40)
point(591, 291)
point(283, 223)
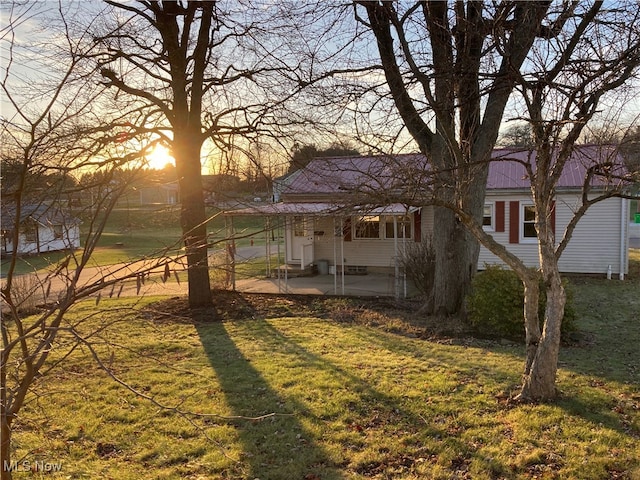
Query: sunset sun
point(159, 158)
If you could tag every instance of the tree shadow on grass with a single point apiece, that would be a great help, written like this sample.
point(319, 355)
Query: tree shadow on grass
point(262, 371)
point(275, 447)
point(373, 431)
point(262, 367)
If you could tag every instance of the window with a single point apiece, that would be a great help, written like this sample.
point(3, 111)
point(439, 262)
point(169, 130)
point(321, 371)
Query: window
point(6, 238)
point(367, 226)
point(528, 224)
point(299, 227)
point(488, 217)
point(404, 227)
point(57, 232)
point(29, 232)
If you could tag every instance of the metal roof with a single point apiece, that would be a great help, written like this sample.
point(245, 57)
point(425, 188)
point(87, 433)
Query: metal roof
point(43, 214)
point(369, 174)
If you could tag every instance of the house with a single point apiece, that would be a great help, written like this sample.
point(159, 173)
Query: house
point(343, 211)
point(42, 228)
point(164, 194)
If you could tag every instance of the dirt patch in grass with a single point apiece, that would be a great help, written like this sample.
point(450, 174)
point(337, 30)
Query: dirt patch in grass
point(400, 317)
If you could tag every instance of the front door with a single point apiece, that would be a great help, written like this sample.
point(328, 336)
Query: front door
point(301, 231)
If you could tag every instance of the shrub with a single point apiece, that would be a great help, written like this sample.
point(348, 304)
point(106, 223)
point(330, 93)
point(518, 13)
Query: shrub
point(418, 262)
point(27, 291)
point(496, 304)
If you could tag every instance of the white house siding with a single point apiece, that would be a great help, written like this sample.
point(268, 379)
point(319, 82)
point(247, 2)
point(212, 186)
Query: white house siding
point(357, 252)
point(48, 242)
point(595, 244)
point(596, 241)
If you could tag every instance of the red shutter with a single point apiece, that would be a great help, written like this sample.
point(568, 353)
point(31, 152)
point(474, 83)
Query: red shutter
point(417, 225)
point(346, 229)
point(499, 216)
point(514, 222)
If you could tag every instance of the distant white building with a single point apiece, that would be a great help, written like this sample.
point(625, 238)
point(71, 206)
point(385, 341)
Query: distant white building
point(41, 228)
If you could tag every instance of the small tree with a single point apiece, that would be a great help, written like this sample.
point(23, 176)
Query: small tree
point(53, 129)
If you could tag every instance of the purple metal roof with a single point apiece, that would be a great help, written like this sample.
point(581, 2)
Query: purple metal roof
point(339, 175)
point(506, 171)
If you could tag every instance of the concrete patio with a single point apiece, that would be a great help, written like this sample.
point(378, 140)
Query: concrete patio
point(356, 285)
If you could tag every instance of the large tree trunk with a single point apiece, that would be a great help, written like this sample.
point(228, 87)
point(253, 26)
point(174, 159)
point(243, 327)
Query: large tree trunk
point(193, 219)
point(456, 261)
point(456, 248)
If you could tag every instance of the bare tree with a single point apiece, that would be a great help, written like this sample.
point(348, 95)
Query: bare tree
point(187, 71)
point(450, 70)
point(595, 61)
point(518, 135)
point(54, 127)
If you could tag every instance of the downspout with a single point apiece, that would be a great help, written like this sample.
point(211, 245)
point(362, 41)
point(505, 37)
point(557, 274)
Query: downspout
point(623, 237)
point(342, 251)
point(335, 258)
point(396, 254)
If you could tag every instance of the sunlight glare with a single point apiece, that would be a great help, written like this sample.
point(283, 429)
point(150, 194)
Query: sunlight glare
point(159, 158)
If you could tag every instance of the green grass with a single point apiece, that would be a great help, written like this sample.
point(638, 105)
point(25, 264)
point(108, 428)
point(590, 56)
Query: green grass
point(343, 400)
point(139, 232)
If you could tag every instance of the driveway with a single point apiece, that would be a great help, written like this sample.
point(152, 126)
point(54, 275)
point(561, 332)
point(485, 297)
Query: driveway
point(151, 284)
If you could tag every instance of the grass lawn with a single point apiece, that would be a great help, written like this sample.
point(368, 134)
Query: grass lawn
point(347, 390)
point(139, 232)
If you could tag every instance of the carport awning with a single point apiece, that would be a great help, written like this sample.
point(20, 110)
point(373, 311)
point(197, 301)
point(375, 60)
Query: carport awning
point(321, 209)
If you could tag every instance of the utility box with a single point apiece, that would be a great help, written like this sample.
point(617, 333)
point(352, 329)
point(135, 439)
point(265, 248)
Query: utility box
point(323, 267)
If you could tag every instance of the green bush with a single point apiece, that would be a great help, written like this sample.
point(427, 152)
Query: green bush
point(496, 304)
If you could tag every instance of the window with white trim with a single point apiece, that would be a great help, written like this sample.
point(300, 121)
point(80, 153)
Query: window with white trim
point(488, 217)
point(404, 224)
point(299, 226)
point(528, 223)
point(367, 226)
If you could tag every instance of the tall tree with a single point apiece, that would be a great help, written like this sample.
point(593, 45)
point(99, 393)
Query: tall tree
point(572, 78)
point(52, 127)
point(450, 70)
point(179, 72)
